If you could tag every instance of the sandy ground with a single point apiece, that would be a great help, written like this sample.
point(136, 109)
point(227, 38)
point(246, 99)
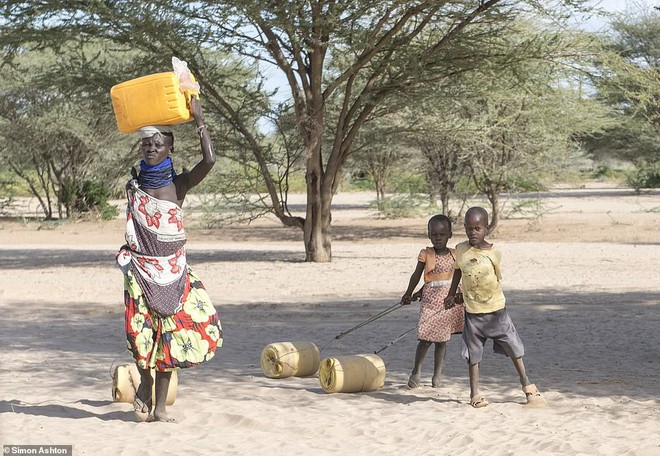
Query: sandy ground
point(582, 284)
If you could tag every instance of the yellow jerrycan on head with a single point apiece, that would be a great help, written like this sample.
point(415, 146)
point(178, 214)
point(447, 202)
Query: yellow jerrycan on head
point(156, 99)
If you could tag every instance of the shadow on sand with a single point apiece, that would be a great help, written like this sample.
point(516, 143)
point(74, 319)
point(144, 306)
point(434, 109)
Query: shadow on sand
point(64, 411)
point(563, 341)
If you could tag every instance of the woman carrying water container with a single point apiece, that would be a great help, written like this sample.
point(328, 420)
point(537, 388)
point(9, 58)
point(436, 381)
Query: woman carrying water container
point(170, 320)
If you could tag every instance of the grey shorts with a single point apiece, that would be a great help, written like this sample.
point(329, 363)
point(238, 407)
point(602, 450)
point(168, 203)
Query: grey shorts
point(496, 326)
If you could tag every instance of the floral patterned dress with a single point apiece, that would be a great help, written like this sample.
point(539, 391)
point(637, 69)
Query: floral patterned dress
point(437, 324)
point(169, 318)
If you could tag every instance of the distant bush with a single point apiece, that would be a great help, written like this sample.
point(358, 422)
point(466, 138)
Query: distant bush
point(644, 176)
point(401, 205)
point(525, 184)
point(10, 186)
point(93, 196)
point(358, 181)
point(408, 183)
point(602, 171)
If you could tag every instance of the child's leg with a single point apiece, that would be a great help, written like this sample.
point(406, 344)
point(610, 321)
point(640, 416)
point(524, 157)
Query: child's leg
point(476, 400)
point(473, 370)
point(420, 354)
point(439, 359)
point(520, 368)
point(162, 387)
point(532, 394)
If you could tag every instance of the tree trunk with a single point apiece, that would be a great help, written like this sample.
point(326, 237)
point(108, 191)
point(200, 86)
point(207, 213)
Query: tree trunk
point(494, 199)
point(317, 229)
point(380, 195)
point(444, 197)
point(433, 199)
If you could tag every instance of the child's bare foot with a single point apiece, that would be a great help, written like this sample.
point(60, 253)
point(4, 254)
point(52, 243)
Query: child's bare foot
point(413, 381)
point(435, 381)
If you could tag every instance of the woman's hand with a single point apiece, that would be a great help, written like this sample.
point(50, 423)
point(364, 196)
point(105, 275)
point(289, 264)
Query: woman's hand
point(196, 110)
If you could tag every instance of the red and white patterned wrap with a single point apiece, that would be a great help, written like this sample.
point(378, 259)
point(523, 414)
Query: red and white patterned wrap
point(155, 250)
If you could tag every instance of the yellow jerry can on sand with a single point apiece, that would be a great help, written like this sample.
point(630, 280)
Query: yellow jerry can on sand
point(126, 380)
point(352, 374)
point(155, 99)
point(290, 359)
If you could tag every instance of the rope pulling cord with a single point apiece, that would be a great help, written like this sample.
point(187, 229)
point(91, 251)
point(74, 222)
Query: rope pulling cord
point(370, 320)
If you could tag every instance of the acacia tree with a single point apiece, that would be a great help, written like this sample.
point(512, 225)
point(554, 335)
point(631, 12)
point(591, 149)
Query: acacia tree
point(378, 151)
point(446, 164)
point(628, 81)
point(511, 121)
point(519, 135)
point(58, 144)
point(438, 132)
point(393, 46)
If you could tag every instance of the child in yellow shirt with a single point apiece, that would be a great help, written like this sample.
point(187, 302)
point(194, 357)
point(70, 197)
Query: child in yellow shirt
point(477, 268)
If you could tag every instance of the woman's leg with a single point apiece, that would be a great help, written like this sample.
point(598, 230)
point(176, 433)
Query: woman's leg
point(162, 387)
point(143, 402)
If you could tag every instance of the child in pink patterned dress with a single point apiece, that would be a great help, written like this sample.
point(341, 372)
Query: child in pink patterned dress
point(436, 323)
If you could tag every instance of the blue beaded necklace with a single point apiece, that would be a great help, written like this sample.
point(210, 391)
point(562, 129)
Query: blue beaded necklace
point(156, 176)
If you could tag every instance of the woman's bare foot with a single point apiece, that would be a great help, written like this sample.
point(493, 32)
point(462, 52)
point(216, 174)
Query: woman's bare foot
point(160, 414)
point(142, 407)
point(435, 381)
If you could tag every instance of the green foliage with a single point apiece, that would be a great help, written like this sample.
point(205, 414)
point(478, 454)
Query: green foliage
point(93, 196)
point(602, 171)
point(510, 124)
point(405, 182)
point(628, 81)
point(525, 183)
point(644, 176)
point(465, 186)
point(636, 39)
point(73, 137)
point(7, 191)
point(296, 182)
point(358, 180)
point(346, 64)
